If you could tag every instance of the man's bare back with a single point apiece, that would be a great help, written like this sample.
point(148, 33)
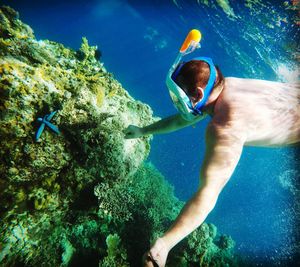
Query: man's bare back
point(263, 113)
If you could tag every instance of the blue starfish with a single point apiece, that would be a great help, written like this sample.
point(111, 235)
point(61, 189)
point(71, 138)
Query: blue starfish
point(46, 121)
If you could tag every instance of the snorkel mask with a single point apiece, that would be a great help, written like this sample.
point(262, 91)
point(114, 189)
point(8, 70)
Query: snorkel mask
point(179, 97)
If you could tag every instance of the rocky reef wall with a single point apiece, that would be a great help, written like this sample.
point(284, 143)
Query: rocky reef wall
point(72, 190)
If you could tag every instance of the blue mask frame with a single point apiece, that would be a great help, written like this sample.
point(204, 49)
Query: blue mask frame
point(209, 86)
point(180, 99)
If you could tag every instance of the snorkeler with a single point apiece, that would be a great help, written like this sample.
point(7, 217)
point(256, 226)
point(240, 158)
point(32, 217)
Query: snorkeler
point(244, 112)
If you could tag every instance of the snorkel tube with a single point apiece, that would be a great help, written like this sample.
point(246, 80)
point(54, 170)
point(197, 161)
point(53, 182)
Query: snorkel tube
point(191, 42)
point(178, 96)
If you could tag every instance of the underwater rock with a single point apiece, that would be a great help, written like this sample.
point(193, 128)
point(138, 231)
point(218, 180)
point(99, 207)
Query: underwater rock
point(11, 26)
point(84, 195)
point(43, 179)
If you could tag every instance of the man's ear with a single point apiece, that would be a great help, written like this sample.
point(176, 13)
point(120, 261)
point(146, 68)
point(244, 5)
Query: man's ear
point(200, 93)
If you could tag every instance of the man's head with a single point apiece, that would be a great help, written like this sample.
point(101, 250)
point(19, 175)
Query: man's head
point(193, 78)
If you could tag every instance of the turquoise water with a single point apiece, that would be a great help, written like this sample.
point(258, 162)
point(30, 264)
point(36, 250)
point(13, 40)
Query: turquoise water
point(139, 41)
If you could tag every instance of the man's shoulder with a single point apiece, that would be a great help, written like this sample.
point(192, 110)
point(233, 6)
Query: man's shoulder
point(228, 132)
point(228, 120)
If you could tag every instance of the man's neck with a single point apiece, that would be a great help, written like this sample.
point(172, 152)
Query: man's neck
point(212, 99)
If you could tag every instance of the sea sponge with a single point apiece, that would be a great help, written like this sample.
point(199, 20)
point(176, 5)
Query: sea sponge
point(226, 242)
point(115, 201)
point(116, 254)
point(86, 52)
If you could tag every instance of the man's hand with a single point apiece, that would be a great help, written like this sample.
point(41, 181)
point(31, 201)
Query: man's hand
point(133, 132)
point(157, 255)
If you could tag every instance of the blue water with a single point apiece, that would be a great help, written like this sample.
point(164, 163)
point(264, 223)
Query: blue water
point(140, 39)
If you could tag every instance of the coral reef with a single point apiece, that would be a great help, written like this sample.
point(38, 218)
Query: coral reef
point(116, 254)
point(85, 195)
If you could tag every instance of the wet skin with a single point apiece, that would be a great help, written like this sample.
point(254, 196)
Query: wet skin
point(264, 113)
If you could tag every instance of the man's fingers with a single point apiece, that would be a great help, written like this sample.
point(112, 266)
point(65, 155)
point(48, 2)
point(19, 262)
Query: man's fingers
point(148, 261)
point(128, 134)
point(132, 132)
point(126, 131)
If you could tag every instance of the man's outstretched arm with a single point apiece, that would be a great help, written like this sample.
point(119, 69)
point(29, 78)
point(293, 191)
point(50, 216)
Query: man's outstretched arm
point(166, 125)
point(223, 150)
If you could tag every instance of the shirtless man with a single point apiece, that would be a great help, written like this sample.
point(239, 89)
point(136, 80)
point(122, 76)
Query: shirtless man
point(245, 112)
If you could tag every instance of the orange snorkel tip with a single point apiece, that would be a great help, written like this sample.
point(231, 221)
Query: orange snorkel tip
point(192, 39)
